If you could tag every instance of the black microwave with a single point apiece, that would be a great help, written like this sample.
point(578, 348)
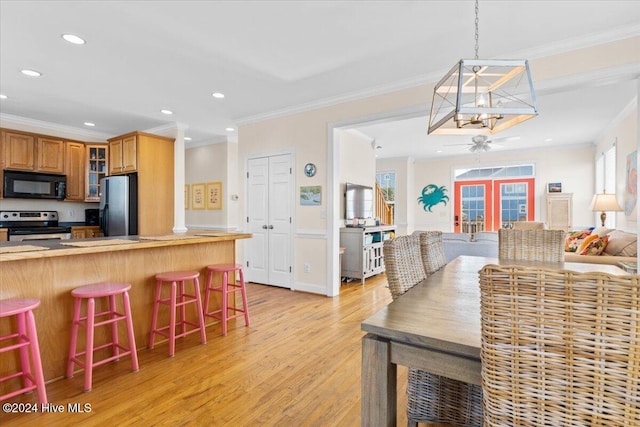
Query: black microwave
point(34, 185)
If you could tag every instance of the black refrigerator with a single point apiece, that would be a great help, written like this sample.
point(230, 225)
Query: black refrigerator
point(119, 205)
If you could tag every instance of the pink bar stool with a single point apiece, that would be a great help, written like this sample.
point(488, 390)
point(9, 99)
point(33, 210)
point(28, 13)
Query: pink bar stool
point(24, 340)
point(226, 289)
point(92, 320)
point(177, 300)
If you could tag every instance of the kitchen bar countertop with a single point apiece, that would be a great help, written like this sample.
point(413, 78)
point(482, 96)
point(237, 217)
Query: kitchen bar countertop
point(50, 270)
point(56, 248)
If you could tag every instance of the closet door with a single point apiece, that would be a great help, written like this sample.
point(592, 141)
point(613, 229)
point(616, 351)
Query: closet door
point(269, 210)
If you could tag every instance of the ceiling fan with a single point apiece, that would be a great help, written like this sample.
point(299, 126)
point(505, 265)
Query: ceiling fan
point(482, 143)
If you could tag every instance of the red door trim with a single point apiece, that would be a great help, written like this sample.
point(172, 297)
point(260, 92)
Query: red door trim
point(488, 204)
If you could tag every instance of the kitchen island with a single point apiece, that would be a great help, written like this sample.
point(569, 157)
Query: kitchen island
point(49, 270)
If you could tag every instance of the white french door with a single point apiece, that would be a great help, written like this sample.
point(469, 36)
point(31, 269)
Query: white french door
point(269, 215)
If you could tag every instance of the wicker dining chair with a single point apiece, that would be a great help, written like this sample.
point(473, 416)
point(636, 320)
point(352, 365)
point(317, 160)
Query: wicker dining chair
point(531, 245)
point(559, 348)
point(528, 225)
point(431, 251)
point(430, 397)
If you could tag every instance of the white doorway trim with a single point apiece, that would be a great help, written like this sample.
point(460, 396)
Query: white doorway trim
point(334, 221)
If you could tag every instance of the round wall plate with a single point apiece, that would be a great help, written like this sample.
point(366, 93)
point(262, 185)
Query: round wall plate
point(310, 169)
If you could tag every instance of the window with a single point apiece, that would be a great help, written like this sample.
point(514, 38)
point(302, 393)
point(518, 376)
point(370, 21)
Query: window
point(387, 183)
point(606, 179)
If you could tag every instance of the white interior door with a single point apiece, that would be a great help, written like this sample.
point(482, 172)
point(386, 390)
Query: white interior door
point(269, 209)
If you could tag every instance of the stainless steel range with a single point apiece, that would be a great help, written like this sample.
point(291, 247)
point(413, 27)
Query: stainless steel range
point(33, 225)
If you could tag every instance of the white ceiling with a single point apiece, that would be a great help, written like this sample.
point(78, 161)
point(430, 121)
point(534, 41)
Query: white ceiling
point(273, 57)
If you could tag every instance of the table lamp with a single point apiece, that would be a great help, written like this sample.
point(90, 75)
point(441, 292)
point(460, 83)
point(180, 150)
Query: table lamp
point(605, 203)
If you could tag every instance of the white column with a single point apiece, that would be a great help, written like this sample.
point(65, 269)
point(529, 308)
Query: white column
point(179, 180)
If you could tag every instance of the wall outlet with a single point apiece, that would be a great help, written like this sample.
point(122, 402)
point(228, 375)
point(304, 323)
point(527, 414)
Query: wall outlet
point(70, 213)
point(307, 267)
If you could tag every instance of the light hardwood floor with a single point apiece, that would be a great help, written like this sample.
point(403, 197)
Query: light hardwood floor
point(298, 364)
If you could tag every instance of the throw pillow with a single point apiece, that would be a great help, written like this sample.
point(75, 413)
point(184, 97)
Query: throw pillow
point(622, 244)
point(574, 239)
point(593, 245)
point(601, 231)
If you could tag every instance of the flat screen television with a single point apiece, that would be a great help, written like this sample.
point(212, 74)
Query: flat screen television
point(358, 201)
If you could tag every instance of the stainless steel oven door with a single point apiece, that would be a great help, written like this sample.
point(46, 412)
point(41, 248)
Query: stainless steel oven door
point(45, 236)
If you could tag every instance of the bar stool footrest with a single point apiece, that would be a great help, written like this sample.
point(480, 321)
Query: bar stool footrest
point(23, 341)
point(161, 331)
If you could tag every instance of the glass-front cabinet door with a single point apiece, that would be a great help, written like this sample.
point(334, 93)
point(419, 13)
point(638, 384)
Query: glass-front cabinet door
point(97, 168)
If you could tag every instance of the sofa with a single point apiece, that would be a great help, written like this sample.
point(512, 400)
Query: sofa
point(620, 246)
point(617, 245)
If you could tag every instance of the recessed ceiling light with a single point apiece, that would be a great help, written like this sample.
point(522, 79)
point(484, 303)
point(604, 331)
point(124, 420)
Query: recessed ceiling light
point(187, 138)
point(89, 124)
point(167, 112)
point(548, 140)
point(217, 95)
point(31, 73)
point(72, 38)
point(2, 96)
point(229, 129)
point(438, 151)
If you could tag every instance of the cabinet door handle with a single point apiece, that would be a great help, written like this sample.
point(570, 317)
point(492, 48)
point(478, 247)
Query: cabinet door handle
point(271, 227)
point(264, 226)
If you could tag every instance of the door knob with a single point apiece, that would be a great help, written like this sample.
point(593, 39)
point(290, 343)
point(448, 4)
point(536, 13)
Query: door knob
point(264, 226)
point(271, 227)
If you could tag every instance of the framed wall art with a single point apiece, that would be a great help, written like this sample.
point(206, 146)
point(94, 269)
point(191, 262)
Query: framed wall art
point(554, 187)
point(197, 196)
point(311, 195)
point(214, 195)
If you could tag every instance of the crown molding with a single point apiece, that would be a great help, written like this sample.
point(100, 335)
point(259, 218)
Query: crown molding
point(581, 42)
point(554, 48)
point(602, 77)
point(69, 131)
point(213, 141)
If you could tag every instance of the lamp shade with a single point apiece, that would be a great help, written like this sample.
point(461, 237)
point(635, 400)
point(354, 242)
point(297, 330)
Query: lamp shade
point(605, 202)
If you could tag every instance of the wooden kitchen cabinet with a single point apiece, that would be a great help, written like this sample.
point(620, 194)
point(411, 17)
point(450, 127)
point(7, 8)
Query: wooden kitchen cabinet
point(4, 234)
point(19, 150)
point(153, 158)
point(30, 152)
point(50, 152)
point(85, 232)
point(123, 154)
point(96, 168)
point(74, 168)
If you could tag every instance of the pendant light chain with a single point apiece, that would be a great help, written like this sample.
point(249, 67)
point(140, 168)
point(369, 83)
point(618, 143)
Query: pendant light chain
point(477, 37)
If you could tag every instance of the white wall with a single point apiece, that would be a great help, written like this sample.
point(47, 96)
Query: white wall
point(203, 164)
point(357, 162)
point(572, 167)
point(624, 132)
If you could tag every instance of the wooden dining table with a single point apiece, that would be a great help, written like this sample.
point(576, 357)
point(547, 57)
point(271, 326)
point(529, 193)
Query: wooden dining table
point(435, 327)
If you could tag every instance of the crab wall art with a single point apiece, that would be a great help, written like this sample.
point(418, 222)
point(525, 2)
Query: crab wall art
point(432, 195)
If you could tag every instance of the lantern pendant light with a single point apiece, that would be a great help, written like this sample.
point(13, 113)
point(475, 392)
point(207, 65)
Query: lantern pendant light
point(482, 97)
